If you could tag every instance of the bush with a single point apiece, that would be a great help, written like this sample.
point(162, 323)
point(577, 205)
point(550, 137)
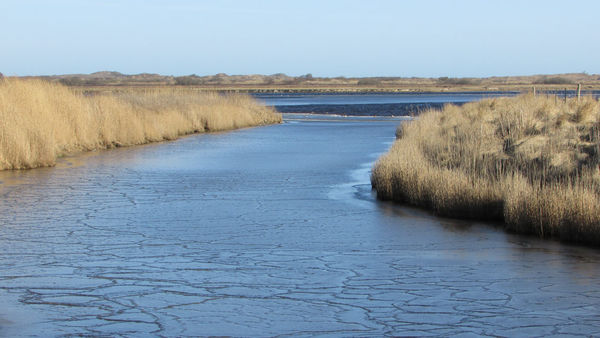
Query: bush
point(554, 80)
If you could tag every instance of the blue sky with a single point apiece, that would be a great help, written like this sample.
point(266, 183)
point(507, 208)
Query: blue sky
point(326, 38)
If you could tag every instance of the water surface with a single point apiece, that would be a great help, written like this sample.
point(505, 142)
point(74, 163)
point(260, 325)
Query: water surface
point(268, 231)
point(371, 104)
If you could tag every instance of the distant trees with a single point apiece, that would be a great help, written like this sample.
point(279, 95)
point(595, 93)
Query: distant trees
point(369, 81)
point(375, 81)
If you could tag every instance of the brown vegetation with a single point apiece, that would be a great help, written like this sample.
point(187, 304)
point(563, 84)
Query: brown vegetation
point(282, 82)
point(532, 162)
point(40, 121)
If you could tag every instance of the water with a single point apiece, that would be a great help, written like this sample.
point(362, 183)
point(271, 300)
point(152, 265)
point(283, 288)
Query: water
point(300, 99)
point(268, 231)
point(382, 104)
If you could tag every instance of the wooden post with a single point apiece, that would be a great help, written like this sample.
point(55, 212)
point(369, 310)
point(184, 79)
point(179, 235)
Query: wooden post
point(578, 91)
point(533, 90)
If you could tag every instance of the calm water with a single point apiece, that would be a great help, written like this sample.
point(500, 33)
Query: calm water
point(382, 104)
point(300, 99)
point(268, 231)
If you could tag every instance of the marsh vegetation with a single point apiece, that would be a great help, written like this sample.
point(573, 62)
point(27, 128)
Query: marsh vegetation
point(40, 121)
point(308, 83)
point(532, 162)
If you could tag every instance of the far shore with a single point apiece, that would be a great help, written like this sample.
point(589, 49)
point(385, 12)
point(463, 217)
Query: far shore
point(244, 89)
point(282, 83)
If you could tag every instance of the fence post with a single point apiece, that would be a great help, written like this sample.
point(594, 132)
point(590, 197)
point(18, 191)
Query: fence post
point(578, 91)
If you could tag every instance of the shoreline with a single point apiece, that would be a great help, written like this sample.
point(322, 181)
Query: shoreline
point(282, 83)
point(514, 89)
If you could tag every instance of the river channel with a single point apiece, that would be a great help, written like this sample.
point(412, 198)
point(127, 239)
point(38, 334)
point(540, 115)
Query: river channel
point(268, 231)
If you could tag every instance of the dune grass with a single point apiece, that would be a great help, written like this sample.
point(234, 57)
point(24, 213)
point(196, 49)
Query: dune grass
point(40, 121)
point(532, 162)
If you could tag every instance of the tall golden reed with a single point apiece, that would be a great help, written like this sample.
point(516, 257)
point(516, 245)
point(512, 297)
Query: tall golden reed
point(532, 161)
point(40, 121)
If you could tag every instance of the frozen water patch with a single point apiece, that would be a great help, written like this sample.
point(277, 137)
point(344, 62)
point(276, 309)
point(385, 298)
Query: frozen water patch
point(358, 190)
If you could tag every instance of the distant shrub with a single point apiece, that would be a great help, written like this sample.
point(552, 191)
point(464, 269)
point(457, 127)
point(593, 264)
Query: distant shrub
point(457, 81)
point(267, 80)
point(290, 81)
point(77, 81)
point(369, 81)
point(554, 80)
point(189, 80)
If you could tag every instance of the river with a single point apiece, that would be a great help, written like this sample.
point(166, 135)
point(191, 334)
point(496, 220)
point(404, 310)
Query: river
point(268, 231)
point(378, 104)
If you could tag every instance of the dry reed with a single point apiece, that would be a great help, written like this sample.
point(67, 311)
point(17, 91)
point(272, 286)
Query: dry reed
point(530, 161)
point(40, 121)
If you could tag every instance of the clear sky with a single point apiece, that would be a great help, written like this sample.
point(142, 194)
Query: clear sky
point(426, 38)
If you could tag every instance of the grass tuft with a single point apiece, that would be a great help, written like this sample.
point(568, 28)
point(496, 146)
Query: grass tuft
point(532, 162)
point(40, 121)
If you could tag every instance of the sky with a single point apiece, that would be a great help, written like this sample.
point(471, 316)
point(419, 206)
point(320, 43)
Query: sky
point(422, 38)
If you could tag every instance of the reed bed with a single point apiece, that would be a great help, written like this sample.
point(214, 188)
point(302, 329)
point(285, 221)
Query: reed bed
point(531, 161)
point(40, 121)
